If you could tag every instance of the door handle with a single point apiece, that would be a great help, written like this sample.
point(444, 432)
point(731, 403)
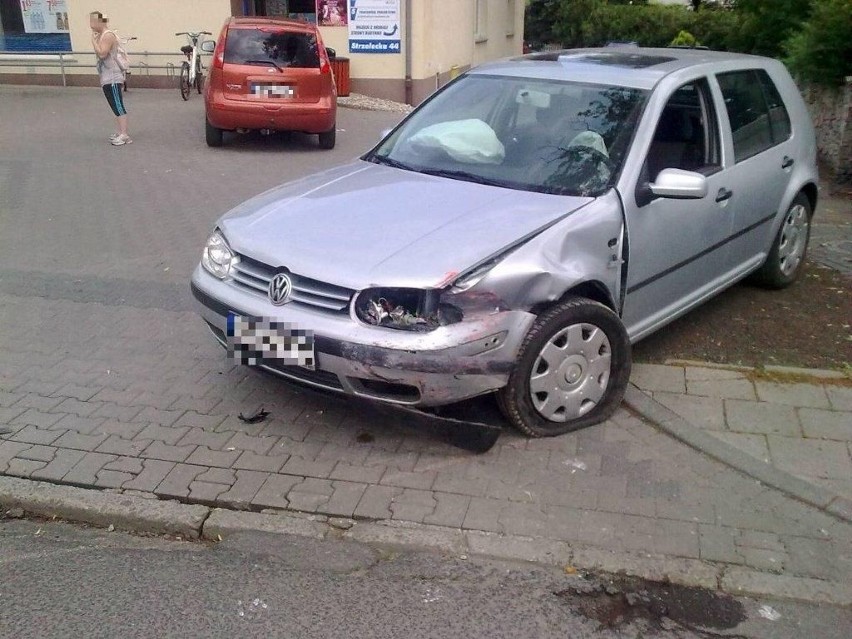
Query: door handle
point(724, 194)
point(788, 162)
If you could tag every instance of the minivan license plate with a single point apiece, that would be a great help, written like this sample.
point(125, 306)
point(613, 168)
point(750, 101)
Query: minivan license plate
point(263, 90)
point(251, 340)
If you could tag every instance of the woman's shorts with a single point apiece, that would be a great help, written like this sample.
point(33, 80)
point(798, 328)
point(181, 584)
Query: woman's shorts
point(113, 96)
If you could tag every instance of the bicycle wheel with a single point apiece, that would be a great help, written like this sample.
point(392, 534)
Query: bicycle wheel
point(199, 77)
point(185, 87)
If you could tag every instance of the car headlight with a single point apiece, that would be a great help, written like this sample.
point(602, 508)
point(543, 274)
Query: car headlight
point(218, 258)
point(408, 309)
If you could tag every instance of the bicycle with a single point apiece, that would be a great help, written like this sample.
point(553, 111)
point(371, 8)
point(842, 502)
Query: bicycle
point(191, 69)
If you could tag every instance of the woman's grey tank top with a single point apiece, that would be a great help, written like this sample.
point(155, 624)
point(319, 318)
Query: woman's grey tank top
point(108, 69)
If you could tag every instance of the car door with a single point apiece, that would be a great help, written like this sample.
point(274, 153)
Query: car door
point(760, 143)
point(677, 253)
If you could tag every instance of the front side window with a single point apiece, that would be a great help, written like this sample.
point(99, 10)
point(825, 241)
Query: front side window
point(687, 135)
point(748, 112)
point(539, 135)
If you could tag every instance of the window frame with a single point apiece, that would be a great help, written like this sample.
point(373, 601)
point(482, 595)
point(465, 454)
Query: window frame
point(480, 21)
point(756, 73)
point(511, 8)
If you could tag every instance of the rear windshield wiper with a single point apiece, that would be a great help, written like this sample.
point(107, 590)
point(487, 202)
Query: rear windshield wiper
point(464, 175)
point(264, 62)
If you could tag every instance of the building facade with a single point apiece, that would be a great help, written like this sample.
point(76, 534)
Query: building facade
point(397, 49)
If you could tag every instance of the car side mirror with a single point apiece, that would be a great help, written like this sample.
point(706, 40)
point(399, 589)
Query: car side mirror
point(680, 185)
point(208, 46)
point(331, 52)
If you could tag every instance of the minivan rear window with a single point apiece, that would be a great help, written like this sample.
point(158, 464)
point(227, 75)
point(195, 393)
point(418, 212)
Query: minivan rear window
point(278, 47)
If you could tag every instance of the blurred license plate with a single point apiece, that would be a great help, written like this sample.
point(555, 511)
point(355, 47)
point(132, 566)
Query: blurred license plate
point(272, 90)
point(251, 340)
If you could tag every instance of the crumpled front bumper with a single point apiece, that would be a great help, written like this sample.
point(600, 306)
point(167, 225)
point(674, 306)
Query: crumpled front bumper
point(444, 366)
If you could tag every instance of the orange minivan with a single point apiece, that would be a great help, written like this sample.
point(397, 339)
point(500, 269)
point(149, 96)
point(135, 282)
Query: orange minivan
point(270, 74)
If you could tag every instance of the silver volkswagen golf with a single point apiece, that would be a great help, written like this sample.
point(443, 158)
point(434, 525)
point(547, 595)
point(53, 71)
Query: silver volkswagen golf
point(521, 228)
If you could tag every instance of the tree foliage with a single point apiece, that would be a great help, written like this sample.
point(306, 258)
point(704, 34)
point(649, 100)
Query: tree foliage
point(822, 50)
point(813, 34)
point(766, 24)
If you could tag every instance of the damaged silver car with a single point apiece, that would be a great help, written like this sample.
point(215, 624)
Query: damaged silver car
point(521, 228)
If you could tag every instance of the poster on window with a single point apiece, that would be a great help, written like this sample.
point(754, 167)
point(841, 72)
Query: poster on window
point(45, 16)
point(332, 13)
point(374, 26)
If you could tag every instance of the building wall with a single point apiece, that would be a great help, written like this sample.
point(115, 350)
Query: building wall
point(154, 22)
point(442, 41)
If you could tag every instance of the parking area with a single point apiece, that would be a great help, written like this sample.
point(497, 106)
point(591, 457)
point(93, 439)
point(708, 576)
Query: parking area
point(108, 379)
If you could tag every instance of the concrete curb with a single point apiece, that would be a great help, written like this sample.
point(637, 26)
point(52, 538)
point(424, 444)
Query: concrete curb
point(140, 514)
point(102, 509)
point(676, 426)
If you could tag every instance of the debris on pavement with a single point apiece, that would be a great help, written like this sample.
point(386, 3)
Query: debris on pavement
point(768, 612)
point(253, 418)
point(576, 465)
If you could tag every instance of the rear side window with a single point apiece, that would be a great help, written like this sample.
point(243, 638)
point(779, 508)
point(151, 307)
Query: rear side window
point(779, 119)
point(756, 112)
point(281, 48)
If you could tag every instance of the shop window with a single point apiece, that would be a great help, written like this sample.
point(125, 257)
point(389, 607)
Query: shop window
point(42, 27)
point(299, 9)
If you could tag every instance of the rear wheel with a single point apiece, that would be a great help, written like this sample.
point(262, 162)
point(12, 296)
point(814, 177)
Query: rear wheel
point(787, 255)
point(328, 139)
point(184, 81)
point(214, 136)
point(572, 370)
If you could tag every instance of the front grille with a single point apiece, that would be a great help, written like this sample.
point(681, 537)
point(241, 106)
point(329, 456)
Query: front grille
point(255, 276)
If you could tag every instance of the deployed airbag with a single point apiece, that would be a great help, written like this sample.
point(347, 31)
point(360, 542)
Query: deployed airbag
point(469, 141)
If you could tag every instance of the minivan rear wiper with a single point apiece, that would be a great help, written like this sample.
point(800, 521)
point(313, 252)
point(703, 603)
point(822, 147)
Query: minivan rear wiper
point(264, 62)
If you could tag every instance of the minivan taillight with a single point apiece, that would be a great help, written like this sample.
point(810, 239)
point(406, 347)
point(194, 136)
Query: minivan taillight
point(219, 51)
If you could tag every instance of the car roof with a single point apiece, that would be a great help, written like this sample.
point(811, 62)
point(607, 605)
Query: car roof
point(631, 66)
point(296, 25)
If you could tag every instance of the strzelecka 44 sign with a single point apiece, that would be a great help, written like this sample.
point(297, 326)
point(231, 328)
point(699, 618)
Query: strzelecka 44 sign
point(374, 26)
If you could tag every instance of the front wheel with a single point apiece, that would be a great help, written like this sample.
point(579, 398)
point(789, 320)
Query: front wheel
point(185, 87)
point(572, 370)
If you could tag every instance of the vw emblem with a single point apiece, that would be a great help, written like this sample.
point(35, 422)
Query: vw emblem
point(279, 289)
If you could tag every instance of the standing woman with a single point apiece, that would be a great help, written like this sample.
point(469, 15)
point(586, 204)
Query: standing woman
point(105, 44)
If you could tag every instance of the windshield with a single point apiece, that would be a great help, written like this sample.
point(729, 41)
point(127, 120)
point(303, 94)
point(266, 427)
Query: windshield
point(548, 136)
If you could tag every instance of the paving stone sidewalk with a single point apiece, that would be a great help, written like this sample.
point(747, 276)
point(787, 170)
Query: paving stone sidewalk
point(143, 401)
point(109, 380)
point(799, 421)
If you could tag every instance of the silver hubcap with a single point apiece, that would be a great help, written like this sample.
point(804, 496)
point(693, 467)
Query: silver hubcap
point(794, 238)
point(571, 373)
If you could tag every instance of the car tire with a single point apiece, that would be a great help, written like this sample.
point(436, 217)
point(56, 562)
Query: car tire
point(214, 136)
point(789, 249)
point(328, 139)
point(589, 368)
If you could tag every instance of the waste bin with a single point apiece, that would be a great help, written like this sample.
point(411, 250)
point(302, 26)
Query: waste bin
point(340, 66)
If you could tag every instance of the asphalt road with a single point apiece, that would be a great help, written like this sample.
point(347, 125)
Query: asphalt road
point(65, 581)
